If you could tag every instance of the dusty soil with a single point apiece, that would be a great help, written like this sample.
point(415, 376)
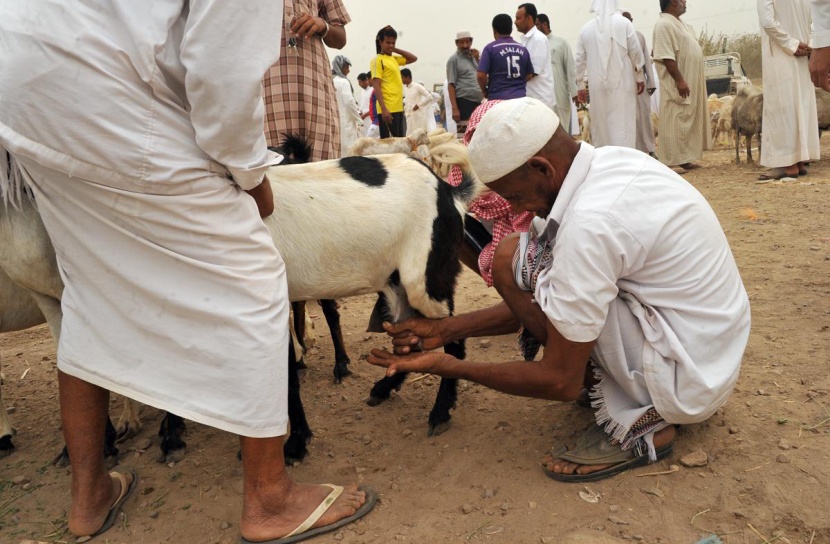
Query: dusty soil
point(768, 470)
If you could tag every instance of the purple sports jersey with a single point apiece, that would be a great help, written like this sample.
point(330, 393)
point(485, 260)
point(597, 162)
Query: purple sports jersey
point(507, 64)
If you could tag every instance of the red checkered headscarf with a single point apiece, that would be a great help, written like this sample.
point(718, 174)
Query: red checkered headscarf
point(490, 206)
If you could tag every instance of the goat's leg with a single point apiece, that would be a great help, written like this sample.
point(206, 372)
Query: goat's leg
point(439, 416)
point(749, 149)
point(129, 422)
point(299, 433)
point(172, 446)
point(382, 389)
point(341, 358)
point(298, 332)
point(737, 147)
point(110, 449)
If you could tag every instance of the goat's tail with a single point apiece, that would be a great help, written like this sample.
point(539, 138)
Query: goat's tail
point(294, 147)
point(450, 154)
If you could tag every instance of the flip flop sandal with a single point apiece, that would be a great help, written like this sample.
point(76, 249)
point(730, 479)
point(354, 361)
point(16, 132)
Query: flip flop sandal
point(595, 448)
point(304, 531)
point(115, 509)
point(802, 171)
point(775, 174)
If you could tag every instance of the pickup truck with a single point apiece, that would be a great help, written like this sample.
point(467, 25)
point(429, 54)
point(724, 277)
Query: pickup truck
point(723, 73)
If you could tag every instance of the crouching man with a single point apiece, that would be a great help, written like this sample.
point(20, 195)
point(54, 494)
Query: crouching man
point(626, 268)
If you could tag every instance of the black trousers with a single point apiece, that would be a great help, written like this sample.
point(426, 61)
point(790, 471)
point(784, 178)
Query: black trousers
point(395, 129)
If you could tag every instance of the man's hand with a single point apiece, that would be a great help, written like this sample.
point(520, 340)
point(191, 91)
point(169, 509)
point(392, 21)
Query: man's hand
point(415, 108)
point(581, 96)
point(476, 54)
point(416, 332)
point(820, 68)
point(263, 197)
point(802, 50)
point(387, 117)
point(641, 86)
point(456, 115)
point(683, 88)
point(419, 362)
point(306, 26)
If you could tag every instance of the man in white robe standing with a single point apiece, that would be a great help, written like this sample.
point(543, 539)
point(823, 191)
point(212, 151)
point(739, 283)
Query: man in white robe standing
point(607, 49)
point(174, 292)
point(540, 86)
point(369, 128)
point(645, 131)
point(684, 130)
point(417, 105)
point(790, 124)
point(820, 58)
point(564, 75)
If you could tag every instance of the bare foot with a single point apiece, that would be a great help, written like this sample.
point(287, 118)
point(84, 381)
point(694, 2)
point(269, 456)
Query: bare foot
point(562, 466)
point(275, 519)
point(87, 517)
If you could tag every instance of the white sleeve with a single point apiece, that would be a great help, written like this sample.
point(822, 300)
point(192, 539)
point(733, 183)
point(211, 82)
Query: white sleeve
point(635, 52)
point(821, 23)
point(226, 51)
point(769, 24)
point(345, 99)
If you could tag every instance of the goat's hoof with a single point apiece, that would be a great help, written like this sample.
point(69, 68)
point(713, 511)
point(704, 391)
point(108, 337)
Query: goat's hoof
point(375, 401)
point(172, 455)
point(61, 460)
point(294, 451)
point(125, 432)
point(339, 374)
point(6, 446)
point(438, 428)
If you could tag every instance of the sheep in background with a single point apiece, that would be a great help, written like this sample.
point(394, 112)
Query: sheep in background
point(408, 145)
point(747, 116)
point(721, 119)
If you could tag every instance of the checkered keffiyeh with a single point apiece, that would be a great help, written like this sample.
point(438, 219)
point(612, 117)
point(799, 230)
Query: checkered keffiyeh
point(490, 206)
point(299, 91)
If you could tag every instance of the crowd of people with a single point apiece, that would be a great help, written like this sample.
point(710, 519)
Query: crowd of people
point(148, 170)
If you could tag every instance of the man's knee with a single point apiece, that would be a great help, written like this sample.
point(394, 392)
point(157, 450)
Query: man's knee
point(503, 273)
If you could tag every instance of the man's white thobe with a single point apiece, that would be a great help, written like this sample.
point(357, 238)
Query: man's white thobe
point(790, 130)
point(613, 60)
point(365, 105)
point(684, 122)
point(645, 132)
point(564, 78)
point(423, 117)
point(123, 121)
point(541, 85)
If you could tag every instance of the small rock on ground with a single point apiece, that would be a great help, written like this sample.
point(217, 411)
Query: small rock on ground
point(695, 459)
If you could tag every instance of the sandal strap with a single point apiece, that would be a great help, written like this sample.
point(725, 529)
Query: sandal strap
point(125, 487)
point(321, 509)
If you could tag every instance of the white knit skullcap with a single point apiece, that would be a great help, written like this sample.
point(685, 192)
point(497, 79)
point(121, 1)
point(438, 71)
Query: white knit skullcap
point(509, 135)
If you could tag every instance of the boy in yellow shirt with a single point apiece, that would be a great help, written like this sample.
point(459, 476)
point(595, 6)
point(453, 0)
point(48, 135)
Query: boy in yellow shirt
point(386, 80)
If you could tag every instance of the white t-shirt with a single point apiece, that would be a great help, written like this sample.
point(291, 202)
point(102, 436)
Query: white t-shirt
point(628, 223)
point(541, 86)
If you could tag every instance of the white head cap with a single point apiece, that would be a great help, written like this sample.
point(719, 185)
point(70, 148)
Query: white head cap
point(509, 135)
point(463, 34)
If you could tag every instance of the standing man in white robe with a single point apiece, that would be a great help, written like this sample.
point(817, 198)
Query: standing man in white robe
point(645, 131)
point(790, 123)
point(417, 105)
point(564, 74)
point(540, 86)
point(684, 130)
point(607, 49)
point(174, 292)
point(820, 58)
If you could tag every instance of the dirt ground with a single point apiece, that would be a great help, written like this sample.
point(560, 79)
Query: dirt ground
point(768, 449)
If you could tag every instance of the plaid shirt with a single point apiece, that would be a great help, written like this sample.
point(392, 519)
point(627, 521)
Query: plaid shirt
point(490, 205)
point(298, 90)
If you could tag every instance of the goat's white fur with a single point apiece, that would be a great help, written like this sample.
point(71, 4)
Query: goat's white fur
point(364, 147)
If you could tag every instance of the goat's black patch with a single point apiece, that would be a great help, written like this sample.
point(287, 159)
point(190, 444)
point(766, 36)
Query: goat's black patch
point(443, 265)
point(366, 170)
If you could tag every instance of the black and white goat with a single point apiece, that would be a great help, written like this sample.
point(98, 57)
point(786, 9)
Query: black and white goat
point(358, 225)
